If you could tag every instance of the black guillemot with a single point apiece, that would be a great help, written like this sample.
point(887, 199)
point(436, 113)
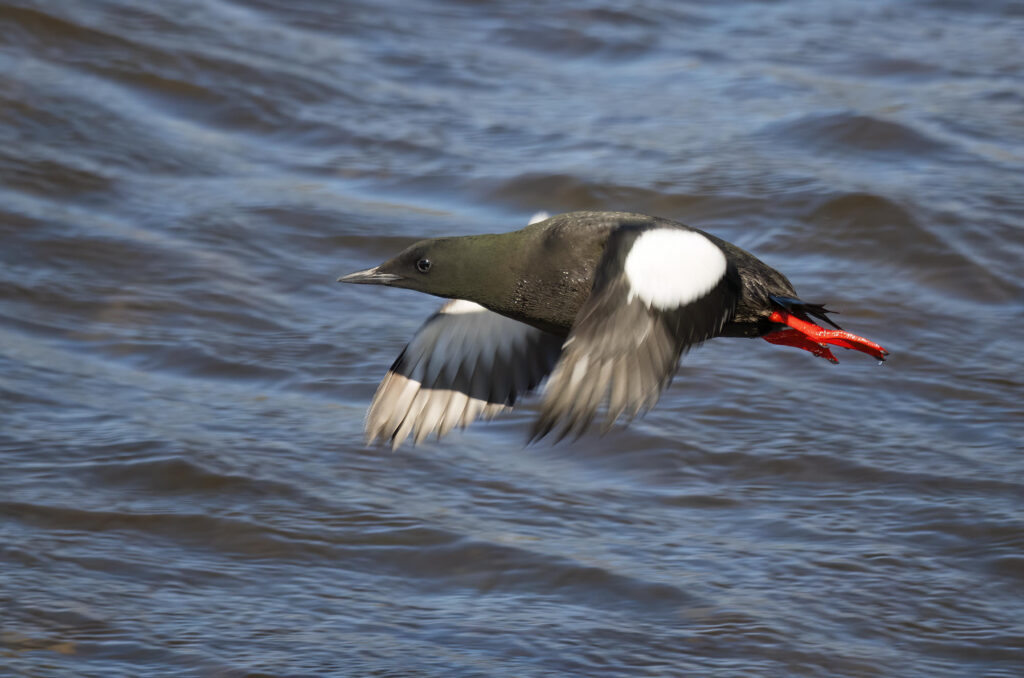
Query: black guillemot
point(603, 304)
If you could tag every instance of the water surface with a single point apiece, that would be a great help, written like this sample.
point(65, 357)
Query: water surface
point(184, 488)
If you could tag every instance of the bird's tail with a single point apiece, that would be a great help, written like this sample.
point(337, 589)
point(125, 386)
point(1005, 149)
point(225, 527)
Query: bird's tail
point(805, 311)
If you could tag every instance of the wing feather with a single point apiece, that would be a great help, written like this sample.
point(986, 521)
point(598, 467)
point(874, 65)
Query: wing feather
point(623, 350)
point(463, 363)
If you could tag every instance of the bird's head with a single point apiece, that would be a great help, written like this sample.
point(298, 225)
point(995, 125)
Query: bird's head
point(445, 267)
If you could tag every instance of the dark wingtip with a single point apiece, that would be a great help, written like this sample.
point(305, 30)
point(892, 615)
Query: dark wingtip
point(541, 428)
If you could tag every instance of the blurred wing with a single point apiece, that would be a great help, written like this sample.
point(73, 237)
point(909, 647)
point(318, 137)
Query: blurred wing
point(657, 291)
point(464, 362)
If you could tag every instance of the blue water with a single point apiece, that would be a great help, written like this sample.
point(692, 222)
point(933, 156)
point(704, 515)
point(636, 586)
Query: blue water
point(184, 489)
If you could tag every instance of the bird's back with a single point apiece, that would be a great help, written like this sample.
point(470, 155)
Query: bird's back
point(557, 272)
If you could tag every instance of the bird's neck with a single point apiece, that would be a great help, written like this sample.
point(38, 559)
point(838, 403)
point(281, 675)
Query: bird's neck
point(491, 268)
point(536, 276)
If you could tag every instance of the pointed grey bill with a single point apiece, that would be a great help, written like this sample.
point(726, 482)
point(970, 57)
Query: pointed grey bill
point(371, 276)
point(465, 362)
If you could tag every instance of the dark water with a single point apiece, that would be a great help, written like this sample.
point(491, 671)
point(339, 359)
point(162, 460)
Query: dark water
point(183, 487)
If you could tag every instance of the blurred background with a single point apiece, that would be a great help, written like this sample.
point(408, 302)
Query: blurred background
point(183, 484)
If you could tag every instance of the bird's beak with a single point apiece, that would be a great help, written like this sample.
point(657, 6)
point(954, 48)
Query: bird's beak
point(371, 276)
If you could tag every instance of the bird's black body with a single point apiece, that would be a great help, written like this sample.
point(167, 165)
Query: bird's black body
point(607, 317)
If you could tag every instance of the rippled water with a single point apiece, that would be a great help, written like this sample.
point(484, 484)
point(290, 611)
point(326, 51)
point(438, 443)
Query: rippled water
point(184, 489)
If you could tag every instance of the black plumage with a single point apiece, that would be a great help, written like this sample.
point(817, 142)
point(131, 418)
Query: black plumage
point(556, 298)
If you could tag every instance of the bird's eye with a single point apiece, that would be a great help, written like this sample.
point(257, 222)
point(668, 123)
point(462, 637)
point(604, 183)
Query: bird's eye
point(423, 265)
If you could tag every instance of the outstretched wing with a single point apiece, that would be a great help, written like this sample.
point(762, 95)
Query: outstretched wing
point(464, 362)
point(657, 291)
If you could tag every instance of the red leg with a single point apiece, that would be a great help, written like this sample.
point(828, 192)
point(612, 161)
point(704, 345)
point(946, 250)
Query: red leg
point(819, 335)
point(794, 338)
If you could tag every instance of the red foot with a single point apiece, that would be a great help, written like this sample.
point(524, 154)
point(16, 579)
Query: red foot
point(794, 338)
point(811, 337)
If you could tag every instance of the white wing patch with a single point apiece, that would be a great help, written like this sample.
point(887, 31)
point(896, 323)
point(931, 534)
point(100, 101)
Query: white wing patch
point(463, 306)
point(463, 363)
point(669, 267)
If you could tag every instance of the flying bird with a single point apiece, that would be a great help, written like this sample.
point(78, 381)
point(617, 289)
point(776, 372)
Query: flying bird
point(602, 304)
